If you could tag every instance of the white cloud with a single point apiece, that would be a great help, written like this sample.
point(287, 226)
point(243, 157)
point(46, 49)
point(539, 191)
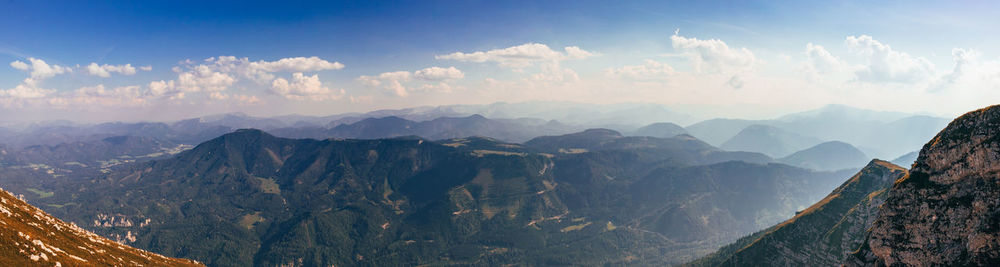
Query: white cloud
point(165, 89)
point(304, 87)
point(217, 74)
point(439, 74)
point(24, 92)
point(20, 65)
point(203, 78)
point(819, 60)
point(261, 72)
point(649, 70)
point(887, 65)
point(391, 81)
point(296, 64)
point(402, 83)
point(106, 70)
point(39, 69)
point(92, 96)
point(553, 73)
point(146, 68)
point(520, 56)
point(713, 55)
point(573, 52)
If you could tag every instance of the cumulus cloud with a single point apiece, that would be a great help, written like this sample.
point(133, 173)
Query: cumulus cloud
point(146, 68)
point(887, 65)
point(20, 65)
point(39, 69)
point(304, 87)
point(439, 74)
point(105, 70)
point(819, 60)
point(436, 77)
point(24, 92)
point(166, 89)
point(391, 81)
point(520, 56)
point(217, 74)
point(261, 71)
point(713, 55)
point(296, 64)
point(649, 70)
point(969, 67)
point(203, 78)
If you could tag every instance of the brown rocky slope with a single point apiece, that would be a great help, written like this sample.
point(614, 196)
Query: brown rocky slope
point(30, 237)
point(946, 212)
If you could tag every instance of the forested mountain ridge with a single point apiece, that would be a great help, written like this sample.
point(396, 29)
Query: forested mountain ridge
point(249, 198)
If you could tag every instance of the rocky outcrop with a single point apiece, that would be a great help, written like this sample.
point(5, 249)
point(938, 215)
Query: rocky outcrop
point(946, 212)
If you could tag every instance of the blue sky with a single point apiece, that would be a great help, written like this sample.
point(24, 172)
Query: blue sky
point(752, 59)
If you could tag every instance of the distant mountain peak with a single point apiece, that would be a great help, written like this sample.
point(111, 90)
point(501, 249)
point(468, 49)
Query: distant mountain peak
point(601, 131)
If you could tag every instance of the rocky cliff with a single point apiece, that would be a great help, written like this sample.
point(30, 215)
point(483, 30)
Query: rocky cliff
point(946, 212)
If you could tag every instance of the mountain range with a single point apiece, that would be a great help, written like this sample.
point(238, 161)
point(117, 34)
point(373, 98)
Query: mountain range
point(250, 198)
point(426, 189)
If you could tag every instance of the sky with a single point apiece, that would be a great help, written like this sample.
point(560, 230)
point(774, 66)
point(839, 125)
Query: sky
point(152, 60)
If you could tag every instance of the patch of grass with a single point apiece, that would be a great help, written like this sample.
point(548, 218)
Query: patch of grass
point(269, 186)
point(249, 220)
point(41, 194)
point(61, 205)
point(574, 227)
point(483, 152)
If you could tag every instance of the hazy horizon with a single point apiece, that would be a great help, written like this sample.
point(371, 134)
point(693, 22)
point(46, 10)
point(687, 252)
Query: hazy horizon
point(164, 61)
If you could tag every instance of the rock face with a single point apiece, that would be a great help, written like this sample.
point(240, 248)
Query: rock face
point(30, 237)
point(946, 212)
point(822, 235)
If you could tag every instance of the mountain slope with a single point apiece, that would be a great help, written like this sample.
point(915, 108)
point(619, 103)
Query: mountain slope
point(30, 237)
point(945, 212)
point(832, 155)
point(770, 140)
point(822, 235)
point(249, 198)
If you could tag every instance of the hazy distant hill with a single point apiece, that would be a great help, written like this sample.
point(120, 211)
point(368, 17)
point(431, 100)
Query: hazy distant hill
point(248, 198)
point(681, 148)
point(660, 129)
point(833, 155)
point(718, 131)
point(906, 159)
point(95, 152)
point(769, 140)
point(30, 237)
point(877, 133)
